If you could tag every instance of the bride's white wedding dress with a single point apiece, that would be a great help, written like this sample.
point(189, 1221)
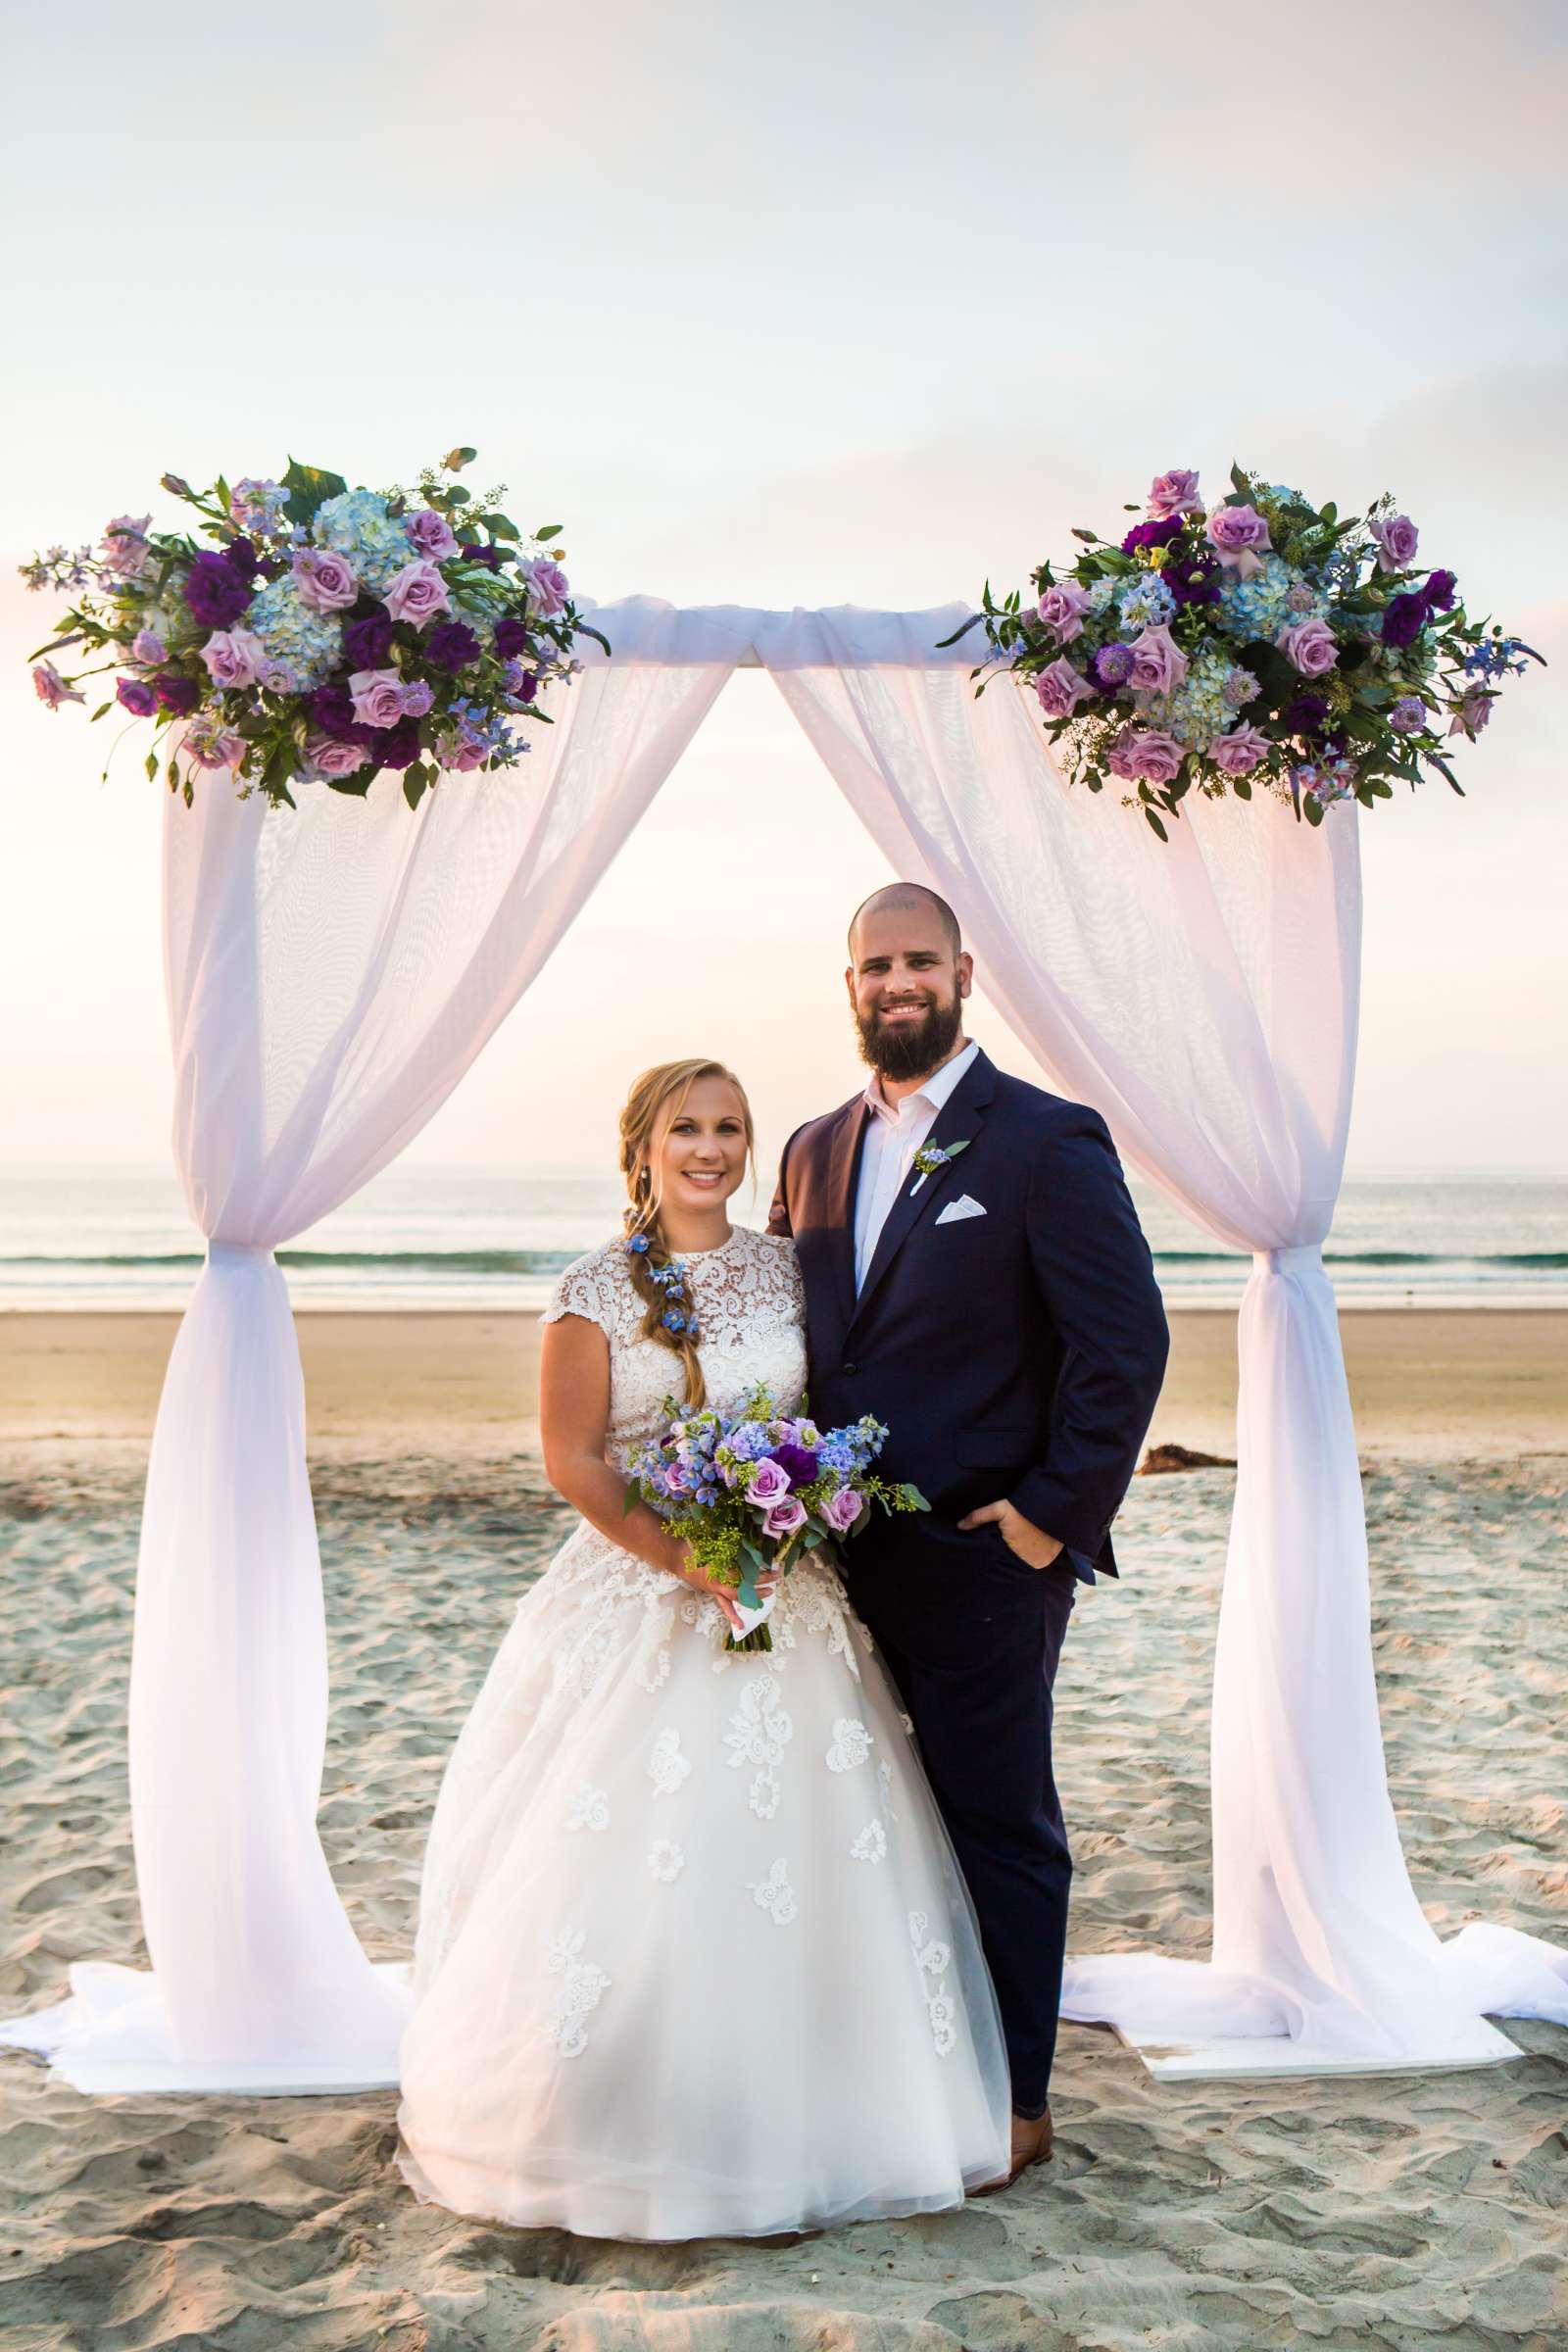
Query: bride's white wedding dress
point(694, 1956)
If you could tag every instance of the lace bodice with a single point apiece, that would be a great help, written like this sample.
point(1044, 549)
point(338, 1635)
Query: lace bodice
point(749, 1308)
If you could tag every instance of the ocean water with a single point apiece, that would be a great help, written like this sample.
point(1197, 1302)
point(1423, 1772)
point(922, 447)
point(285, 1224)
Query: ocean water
point(449, 1237)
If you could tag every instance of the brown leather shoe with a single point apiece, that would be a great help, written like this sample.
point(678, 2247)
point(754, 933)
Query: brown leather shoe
point(1033, 2141)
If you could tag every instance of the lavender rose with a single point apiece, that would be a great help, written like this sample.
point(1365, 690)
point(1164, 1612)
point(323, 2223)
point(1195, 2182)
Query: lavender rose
point(136, 696)
point(1240, 752)
point(1473, 713)
point(378, 697)
point(430, 534)
point(51, 688)
point(1408, 714)
point(1062, 689)
point(786, 1517)
point(124, 546)
point(417, 594)
point(841, 1510)
point(1061, 611)
point(367, 643)
point(1158, 662)
point(452, 646)
point(329, 755)
point(1174, 493)
point(1238, 534)
point(1396, 537)
point(234, 658)
point(1310, 645)
point(1153, 756)
point(325, 580)
point(548, 586)
point(215, 592)
point(768, 1485)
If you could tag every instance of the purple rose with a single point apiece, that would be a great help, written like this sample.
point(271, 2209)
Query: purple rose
point(1111, 667)
point(234, 658)
point(548, 586)
point(417, 594)
point(797, 1462)
point(768, 1484)
point(329, 755)
point(149, 647)
point(1305, 714)
point(1062, 689)
point(367, 643)
point(510, 637)
point(785, 1518)
point(136, 696)
point(430, 534)
point(1438, 590)
point(1174, 493)
point(1151, 534)
point(1240, 752)
point(1395, 536)
point(452, 646)
point(1404, 618)
point(415, 699)
point(1310, 646)
point(124, 546)
point(325, 580)
point(378, 697)
point(1408, 714)
point(176, 693)
point(1061, 611)
point(1158, 662)
point(1237, 534)
point(213, 591)
point(841, 1510)
point(51, 688)
point(399, 747)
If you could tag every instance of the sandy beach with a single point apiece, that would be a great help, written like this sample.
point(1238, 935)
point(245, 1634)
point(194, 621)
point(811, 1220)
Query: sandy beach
point(1400, 2212)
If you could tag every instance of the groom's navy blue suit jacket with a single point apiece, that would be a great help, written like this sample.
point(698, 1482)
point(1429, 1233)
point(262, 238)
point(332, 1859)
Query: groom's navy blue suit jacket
point(1017, 1355)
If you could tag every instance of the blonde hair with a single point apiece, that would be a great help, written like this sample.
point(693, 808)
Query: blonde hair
point(653, 1105)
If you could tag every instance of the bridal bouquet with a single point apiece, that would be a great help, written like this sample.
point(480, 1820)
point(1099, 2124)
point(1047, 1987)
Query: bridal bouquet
point(758, 1490)
point(1257, 640)
point(322, 633)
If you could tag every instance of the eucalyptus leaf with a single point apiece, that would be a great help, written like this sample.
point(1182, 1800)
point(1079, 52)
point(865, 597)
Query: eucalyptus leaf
point(551, 530)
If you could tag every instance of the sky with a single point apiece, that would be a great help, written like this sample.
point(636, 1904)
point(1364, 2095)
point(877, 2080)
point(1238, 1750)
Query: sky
point(807, 306)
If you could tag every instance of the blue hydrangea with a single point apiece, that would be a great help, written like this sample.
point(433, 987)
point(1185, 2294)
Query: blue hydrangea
point(1101, 596)
point(1257, 608)
point(311, 642)
point(1200, 708)
point(1145, 604)
point(357, 524)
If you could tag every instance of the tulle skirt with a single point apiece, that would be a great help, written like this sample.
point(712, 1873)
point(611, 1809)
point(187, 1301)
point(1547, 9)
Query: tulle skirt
point(695, 1958)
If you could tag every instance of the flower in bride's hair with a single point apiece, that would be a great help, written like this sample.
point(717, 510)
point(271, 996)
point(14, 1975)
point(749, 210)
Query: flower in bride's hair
point(637, 1245)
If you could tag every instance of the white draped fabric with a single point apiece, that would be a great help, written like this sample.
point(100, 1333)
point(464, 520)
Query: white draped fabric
point(332, 973)
point(1203, 995)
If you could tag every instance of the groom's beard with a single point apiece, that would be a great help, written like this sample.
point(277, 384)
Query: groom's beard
point(909, 1048)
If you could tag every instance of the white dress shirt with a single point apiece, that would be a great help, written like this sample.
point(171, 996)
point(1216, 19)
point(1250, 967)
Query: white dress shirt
point(894, 1137)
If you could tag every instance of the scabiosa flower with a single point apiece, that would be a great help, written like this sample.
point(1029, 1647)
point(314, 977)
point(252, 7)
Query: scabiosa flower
point(1239, 687)
point(1408, 714)
point(1111, 667)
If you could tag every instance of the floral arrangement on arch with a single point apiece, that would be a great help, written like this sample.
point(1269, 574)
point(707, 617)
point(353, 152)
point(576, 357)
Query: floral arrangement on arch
point(1258, 641)
point(325, 633)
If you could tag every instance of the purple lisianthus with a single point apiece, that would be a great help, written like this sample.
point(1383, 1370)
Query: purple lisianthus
point(477, 551)
point(1193, 580)
point(136, 696)
point(241, 557)
point(367, 643)
point(528, 686)
point(1111, 667)
point(176, 693)
point(215, 592)
point(397, 746)
point(332, 710)
point(1151, 534)
point(452, 646)
point(509, 637)
point(1404, 618)
point(797, 1462)
point(1438, 590)
point(1305, 713)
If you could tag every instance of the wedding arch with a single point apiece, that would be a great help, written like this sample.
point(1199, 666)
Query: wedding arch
point(331, 974)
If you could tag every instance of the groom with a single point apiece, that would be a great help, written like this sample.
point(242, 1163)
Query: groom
point(976, 1275)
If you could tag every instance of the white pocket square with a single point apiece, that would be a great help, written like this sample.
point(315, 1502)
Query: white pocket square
point(962, 1208)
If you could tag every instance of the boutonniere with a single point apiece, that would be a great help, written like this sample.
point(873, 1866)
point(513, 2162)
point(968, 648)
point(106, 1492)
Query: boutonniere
point(932, 1156)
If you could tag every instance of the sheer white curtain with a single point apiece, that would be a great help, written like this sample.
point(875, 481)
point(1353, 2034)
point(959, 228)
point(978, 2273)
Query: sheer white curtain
point(331, 973)
point(1203, 996)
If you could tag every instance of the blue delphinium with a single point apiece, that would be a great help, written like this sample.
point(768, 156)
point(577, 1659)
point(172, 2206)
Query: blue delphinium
point(1145, 604)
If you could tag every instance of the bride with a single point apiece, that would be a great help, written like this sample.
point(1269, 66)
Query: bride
point(694, 1955)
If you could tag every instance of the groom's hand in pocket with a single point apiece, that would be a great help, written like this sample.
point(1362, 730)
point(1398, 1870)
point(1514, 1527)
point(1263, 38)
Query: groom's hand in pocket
point(1031, 1544)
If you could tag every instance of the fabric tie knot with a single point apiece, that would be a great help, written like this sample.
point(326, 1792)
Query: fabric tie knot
point(1302, 1257)
point(236, 1254)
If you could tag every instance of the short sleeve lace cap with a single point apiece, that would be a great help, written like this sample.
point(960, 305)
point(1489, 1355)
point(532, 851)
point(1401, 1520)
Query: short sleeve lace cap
point(586, 1289)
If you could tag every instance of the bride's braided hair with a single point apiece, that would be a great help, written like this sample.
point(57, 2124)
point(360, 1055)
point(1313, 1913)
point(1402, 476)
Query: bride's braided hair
point(653, 1105)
